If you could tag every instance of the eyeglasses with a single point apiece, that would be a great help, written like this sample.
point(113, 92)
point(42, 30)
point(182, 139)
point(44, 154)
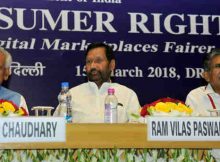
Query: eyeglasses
point(216, 66)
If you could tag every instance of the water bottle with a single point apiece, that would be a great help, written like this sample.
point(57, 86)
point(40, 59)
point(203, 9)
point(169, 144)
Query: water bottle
point(111, 112)
point(64, 98)
point(69, 116)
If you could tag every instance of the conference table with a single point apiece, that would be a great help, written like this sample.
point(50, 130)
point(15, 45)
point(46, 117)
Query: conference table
point(124, 140)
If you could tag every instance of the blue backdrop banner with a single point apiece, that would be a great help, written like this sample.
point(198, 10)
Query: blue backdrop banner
point(159, 45)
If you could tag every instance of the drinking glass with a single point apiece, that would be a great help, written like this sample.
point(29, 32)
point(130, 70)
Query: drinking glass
point(42, 110)
point(214, 112)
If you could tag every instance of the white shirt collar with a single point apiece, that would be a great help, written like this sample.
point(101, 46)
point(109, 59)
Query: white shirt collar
point(102, 89)
point(209, 89)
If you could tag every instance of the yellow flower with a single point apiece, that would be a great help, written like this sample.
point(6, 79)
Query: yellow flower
point(189, 110)
point(184, 108)
point(1, 110)
point(20, 111)
point(162, 107)
point(171, 105)
point(166, 106)
point(152, 108)
point(180, 105)
point(8, 106)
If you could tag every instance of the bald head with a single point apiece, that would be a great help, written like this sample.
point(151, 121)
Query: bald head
point(5, 62)
point(7, 55)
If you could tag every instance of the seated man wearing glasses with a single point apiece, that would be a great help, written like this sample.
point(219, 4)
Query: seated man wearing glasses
point(207, 97)
point(6, 94)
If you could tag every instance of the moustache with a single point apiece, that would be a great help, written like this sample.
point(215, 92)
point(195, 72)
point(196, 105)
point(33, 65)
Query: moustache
point(94, 70)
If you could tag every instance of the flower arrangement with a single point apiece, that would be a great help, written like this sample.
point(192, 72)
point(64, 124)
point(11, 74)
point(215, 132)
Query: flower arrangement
point(166, 107)
point(8, 108)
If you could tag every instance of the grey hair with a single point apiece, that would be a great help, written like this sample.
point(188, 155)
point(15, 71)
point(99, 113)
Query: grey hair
point(8, 58)
point(208, 58)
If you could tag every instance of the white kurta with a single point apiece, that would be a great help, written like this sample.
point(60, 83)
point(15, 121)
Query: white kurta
point(199, 101)
point(88, 102)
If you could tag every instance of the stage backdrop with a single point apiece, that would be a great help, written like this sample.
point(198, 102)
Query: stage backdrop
point(159, 45)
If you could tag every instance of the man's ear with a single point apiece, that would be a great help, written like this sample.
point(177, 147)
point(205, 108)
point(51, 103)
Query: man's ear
point(205, 75)
point(7, 73)
point(112, 65)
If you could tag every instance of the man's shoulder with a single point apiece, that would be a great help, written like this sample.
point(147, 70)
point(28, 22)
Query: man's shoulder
point(79, 87)
point(198, 90)
point(10, 92)
point(123, 88)
point(10, 95)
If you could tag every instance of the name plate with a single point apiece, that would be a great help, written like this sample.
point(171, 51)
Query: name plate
point(183, 128)
point(32, 129)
